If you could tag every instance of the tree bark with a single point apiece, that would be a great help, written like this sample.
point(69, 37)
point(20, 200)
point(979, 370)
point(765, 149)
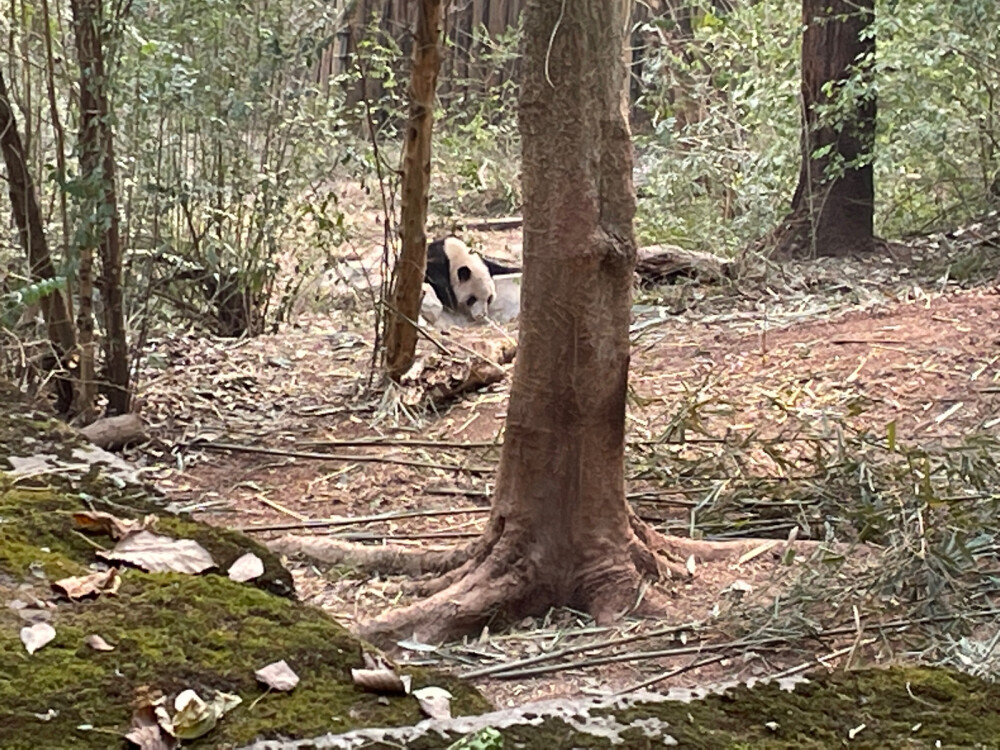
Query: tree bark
point(832, 211)
point(401, 333)
point(560, 531)
point(97, 168)
point(28, 219)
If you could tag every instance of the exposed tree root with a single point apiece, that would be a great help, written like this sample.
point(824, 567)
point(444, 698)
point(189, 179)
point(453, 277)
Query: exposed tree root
point(464, 607)
point(503, 581)
point(675, 551)
point(388, 560)
point(496, 579)
point(507, 583)
point(503, 588)
point(509, 580)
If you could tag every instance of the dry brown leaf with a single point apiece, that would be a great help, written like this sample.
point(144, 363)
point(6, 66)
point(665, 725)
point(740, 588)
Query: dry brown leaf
point(146, 732)
point(196, 717)
point(43, 463)
point(157, 553)
point(35, 636)
point(434, 701)
point(104, 523)
point(481, 368)
point(97, 643)
point(77, 587)
point(382, 680)
point(277, 676)
point(246, 568)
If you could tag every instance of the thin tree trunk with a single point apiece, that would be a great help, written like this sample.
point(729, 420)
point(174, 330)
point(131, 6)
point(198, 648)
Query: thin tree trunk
point(561, 532)
point(401, 333)
point(832, 210)
point(28, 218)
point(60, 138)
point(97, 167)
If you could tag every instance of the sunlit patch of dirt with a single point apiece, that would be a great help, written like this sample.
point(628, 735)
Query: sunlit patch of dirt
point(729, 366)
point(930, 365)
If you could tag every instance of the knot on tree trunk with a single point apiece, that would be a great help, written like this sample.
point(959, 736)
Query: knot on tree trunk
point(615, 246)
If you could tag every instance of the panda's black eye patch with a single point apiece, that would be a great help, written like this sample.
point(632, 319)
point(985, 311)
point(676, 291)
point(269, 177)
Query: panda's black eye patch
point(470, 301)
point(464, 274)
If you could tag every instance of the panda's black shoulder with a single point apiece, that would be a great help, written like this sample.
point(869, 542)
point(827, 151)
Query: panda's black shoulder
point(499, 269)
point(437, 257)
point(438, 274)
point(436, 249)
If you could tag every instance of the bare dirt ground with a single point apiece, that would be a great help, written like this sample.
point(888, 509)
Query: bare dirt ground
point(805, 349)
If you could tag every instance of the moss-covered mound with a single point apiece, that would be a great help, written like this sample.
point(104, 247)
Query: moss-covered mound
point(871, 708)
point(170, 631)
point(868, 709)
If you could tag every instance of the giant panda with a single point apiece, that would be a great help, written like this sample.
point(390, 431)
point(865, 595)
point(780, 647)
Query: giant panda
point(462, 280)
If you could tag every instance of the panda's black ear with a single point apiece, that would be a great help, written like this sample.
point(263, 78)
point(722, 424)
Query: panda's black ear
point(464, 274)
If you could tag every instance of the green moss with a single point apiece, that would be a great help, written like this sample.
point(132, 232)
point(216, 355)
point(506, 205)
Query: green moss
point(171, 632)
point(36, 528)
point(44, 515)
point(899, 707)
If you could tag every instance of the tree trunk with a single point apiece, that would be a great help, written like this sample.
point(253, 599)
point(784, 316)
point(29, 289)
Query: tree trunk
point(833, 206)
point(28, 219)
point(401, 333)
point(97, 168)
point(561, 532)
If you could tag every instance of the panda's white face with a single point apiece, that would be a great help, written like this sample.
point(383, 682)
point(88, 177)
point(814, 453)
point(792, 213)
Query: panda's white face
point(470, 280)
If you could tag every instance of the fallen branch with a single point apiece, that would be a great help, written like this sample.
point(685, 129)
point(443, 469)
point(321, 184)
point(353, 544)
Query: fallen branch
point(112, 433)
point(872, 342)
point(388, 560)
point(444, 380)
point(664, 264)
point(323, 523)
point(402, 442)
point(570, 650)
point(501, 674)
point(488, 225)
point(372, 536)
point(696, 664)
point(235, 448)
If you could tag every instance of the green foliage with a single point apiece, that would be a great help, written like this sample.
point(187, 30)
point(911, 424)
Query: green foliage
point(231, 149)
point(485, 739)
point(938, 142)
point(719, 159)
point(721, 156)
point(379, 75)
point(477, 145)
point(15, 302)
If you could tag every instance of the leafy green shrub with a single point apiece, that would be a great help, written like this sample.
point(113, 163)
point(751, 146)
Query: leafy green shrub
point(719, 162)
point(476, 169)
point(720, 158)
point(938, 141)
point(230, 145)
